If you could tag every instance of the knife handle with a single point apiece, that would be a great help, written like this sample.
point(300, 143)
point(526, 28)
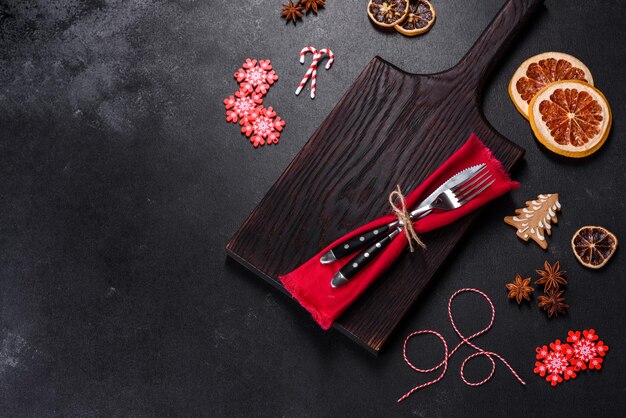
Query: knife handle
point(350, 246)
point(360, 261)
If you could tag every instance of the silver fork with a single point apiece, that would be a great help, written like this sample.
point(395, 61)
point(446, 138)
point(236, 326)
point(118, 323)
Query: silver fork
point(449, 199)
point(456, 197)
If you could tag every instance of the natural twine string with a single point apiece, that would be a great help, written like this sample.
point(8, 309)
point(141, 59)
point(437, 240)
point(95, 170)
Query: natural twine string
point(402, 213)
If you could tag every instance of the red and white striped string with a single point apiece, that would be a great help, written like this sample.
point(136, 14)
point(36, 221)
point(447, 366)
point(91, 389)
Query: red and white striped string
point(464, 340)
point(312, 70)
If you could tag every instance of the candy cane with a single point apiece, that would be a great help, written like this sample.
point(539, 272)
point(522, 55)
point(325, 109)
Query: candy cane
point(314, 76)
point(331, 57)
point(304, 52)
point(312, 69)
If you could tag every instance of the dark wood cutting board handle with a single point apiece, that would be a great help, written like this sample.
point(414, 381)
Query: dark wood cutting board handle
point(481, 57)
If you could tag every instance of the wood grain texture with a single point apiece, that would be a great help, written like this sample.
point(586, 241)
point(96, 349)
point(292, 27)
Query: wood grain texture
point(391, 127)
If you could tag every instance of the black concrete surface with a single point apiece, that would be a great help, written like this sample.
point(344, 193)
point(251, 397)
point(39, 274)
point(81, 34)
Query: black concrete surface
point(120, 183)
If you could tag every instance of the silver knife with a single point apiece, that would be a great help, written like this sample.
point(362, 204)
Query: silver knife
point(456, 180)
point(360, 241)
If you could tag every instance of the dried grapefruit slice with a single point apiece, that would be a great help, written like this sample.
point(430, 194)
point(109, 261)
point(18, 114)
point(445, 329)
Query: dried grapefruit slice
point(570, 118)
point(387, 13)
point(537, 72)
point(593, 246)
point(420, 18)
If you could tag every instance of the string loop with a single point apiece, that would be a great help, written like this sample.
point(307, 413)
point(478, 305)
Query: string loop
point(464, 340)
point(404, 217)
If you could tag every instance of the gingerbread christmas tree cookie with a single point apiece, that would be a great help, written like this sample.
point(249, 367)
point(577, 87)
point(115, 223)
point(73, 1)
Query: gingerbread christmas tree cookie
point(534, 221)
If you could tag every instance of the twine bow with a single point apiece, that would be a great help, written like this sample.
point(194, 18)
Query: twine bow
point(402, 213)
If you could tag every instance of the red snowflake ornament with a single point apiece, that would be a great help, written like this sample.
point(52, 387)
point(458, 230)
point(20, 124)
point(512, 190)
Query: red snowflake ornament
point(564, 361)
point(555, 363)
point(588, 351)
point(240, 106)
point(265, 127)
point(256, 76)
point(260, 124)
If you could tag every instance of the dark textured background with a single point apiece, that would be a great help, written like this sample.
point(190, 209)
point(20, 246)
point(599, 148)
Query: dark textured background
point(120, 183)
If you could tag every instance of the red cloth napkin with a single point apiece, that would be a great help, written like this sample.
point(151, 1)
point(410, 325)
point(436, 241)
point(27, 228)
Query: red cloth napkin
point(310, 283)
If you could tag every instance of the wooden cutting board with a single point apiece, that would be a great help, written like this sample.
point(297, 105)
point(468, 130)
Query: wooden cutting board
point(391, 127)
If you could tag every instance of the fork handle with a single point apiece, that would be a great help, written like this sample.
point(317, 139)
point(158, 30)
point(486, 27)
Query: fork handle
point(360, 261)
point(360, 241)
point(352, 245)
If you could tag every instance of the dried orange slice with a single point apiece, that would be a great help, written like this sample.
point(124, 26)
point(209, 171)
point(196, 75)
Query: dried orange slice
point(420, 18)
point(537, 72)
point(570, 118)
point(593, 246)
point(386, 13)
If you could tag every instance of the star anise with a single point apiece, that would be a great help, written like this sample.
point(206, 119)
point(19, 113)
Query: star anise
point(553, 303)
point(551, 277)
point(312, 5)
point(519, 289)
point(291, 11)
